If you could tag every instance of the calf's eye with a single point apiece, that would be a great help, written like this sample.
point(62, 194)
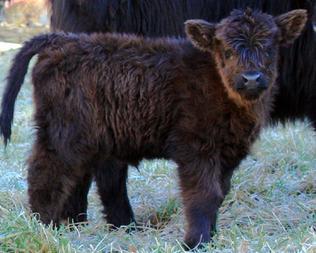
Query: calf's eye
point(228, 54)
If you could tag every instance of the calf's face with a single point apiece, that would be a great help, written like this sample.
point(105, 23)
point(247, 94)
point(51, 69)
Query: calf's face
point(245, 47)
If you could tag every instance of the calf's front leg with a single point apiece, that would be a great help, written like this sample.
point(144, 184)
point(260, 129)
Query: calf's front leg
point(200, 182)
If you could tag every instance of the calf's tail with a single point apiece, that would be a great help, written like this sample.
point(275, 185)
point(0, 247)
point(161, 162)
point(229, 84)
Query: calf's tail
point(16, 76)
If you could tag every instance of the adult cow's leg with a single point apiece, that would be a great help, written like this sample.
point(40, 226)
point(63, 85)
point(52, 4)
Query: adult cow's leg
point(51, 181)
point(202, 195)
point(75, 207)
point(111, 177)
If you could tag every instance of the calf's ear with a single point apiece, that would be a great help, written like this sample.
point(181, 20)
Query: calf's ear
point(200, 33)
point(291, 24)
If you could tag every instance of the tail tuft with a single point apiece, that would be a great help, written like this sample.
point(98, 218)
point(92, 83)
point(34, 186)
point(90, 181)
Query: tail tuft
point(16, 77)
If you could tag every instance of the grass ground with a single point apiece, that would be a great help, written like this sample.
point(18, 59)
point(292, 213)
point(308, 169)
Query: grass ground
point(271, 207)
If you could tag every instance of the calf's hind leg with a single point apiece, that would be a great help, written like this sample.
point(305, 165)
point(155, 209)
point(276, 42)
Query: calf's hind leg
point(111, 177)
point(75, 207)
point(50, 182)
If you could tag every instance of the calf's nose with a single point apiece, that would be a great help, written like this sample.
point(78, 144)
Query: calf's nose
point(251, 77)
point(254, 80)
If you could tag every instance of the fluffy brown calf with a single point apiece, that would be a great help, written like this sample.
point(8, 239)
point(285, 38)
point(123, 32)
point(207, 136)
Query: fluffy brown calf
point(200, 102)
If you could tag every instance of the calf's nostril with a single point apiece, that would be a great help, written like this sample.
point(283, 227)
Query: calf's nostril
point(244, 79)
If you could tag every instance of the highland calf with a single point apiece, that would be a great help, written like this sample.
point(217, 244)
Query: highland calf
point(120, 98)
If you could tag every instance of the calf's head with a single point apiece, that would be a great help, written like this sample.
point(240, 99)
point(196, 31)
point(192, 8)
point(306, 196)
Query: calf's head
point(245, 47)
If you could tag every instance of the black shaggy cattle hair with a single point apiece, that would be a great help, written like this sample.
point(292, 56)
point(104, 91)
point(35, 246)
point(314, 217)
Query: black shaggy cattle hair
point(108, 100)
point(154, 17)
